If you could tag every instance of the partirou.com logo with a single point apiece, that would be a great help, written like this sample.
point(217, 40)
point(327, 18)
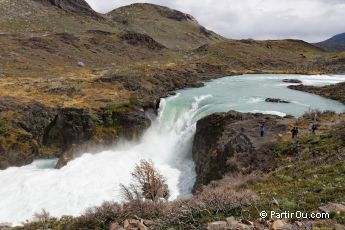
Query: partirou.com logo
point(293, 215)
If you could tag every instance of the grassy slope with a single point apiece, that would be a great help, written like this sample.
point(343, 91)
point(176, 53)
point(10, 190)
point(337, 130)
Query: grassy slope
point(311, 175)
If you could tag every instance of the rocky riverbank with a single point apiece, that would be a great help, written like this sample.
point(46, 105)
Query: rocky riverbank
point(335, 92)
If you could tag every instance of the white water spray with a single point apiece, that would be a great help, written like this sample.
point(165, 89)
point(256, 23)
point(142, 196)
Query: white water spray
point(94, 178)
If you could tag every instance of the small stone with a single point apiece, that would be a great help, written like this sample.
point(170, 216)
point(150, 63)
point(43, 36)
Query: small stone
point(142, 227)
point(126, 224)
point(299, 224)
point(115, 226)
point(277, 225)
point(247, 222)
point(231, 221)
point(81, 64)
point(148, 223)
point(275, 202)
point(218, 225)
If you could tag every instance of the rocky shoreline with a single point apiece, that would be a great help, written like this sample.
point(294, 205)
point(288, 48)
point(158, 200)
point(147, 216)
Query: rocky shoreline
point(334, 92)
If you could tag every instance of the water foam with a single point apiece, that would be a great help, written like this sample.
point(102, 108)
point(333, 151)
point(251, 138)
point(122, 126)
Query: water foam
point(280, 114)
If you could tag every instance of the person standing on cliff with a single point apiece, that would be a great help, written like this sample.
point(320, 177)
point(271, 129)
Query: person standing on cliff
point(262, 130)
point(314, 128)
point(294, 132)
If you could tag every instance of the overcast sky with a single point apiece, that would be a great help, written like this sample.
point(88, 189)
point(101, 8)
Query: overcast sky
point(310, 20)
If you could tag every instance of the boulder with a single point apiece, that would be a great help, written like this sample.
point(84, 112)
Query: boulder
point(218, 225)
point(293, 81)
point(333, 207)
point(278, 225)
point(276, 100)
point(231, 143)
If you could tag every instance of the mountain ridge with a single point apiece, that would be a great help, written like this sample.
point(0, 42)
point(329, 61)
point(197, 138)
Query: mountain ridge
point(75, 6)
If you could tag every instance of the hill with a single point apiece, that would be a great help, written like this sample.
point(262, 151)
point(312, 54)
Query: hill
point(172, 28)
point(334, 44)
point(42, 16)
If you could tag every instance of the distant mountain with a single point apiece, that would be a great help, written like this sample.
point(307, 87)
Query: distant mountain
point(336, 43)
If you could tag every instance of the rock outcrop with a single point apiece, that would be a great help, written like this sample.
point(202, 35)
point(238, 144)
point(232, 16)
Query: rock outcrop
point(20, 137)
point(294, 81)
point(276, 100)
point(334, 92)
point(40, 132)
point(80, 7)
point(231, 143)
point(137, 39)
point(70, 126)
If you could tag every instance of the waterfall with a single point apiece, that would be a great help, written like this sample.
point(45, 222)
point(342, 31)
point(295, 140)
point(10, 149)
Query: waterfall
point(94, 178)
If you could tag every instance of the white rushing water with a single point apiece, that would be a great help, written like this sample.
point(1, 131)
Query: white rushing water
point(93, 178)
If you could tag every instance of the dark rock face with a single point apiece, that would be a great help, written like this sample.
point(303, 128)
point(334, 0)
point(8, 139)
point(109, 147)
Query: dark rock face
point(76, 6)
point(231, 143)
point(276, 100)
point(36, 118)
point(294, 81)
point(70, 126)
point(128, 125)
point(137, 39)
point(20, 144)
point(131, 125)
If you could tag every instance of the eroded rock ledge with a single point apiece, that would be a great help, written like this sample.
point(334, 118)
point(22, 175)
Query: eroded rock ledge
point(231, 143)
point(41, 132)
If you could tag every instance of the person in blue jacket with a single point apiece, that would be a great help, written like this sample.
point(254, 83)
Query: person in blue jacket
point(262, 130)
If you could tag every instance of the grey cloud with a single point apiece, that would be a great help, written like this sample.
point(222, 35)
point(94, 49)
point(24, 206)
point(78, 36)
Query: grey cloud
point(310, 20)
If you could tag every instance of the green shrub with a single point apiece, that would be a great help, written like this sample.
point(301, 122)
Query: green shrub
point(3, 126)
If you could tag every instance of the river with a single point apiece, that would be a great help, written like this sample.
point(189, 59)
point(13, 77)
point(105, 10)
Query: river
point(93, 178)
